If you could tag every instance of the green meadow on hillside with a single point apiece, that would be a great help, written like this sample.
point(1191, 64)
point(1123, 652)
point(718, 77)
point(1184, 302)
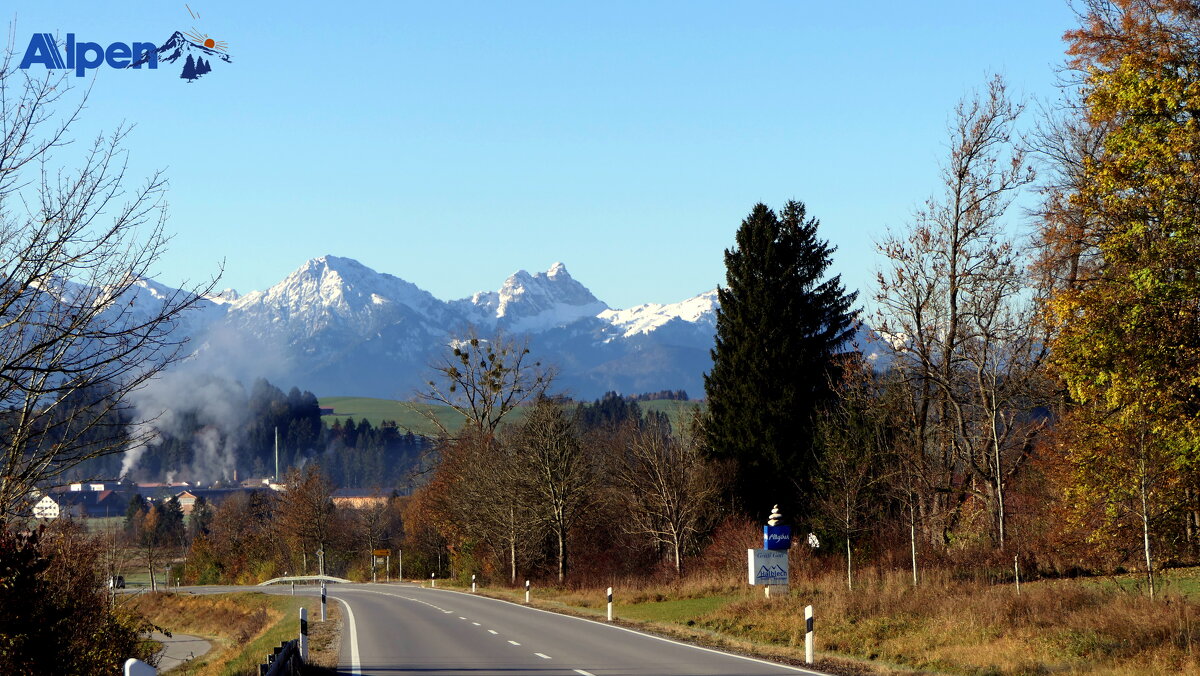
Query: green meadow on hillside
point(412, 416)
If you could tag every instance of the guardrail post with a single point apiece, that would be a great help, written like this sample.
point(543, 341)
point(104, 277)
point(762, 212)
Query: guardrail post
point(610, 604)
point(808, 634)
point(304, 634)
point(526, 592)
point(322, 600)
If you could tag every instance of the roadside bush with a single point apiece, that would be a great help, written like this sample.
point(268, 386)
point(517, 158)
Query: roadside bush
point(57, 617)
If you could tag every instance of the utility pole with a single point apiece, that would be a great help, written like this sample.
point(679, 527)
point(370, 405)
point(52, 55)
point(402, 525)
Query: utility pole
point(276, 454)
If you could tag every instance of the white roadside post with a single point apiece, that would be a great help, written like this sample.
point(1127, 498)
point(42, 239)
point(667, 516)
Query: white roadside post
point(808, 635)
point(472, 583)
point(432, 580)
point(322, 600)
point(610, 604)
point(526, 592)
point(138, 668)
point(304, 634)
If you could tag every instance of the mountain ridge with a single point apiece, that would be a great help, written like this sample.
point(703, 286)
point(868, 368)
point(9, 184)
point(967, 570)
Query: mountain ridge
point(337, 327)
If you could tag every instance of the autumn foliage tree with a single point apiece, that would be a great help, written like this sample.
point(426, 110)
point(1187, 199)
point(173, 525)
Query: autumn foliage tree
point(1127, 343)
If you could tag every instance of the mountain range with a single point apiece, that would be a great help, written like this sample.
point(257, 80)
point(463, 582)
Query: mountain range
point(337, 327)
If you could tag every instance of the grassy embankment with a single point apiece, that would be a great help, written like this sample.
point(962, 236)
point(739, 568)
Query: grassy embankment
point(243, 628)
point(944, 626)
point(411, 416)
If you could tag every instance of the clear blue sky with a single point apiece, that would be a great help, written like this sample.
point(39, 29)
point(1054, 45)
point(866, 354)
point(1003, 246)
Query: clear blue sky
point(452, 143)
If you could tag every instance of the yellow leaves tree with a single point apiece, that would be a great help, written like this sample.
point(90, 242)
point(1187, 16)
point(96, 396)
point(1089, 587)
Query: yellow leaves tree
point(1127, 345)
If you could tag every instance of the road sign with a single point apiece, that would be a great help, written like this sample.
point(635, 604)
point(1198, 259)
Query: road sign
point(777, 537)
point(382, 552)
point(767, 566)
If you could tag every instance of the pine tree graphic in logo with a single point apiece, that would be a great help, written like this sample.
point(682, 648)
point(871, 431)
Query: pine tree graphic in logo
point(197, 50)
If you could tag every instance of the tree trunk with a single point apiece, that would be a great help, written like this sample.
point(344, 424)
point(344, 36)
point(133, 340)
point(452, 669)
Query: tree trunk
point(999, 480)
point(512, 545)
point(562, 555)
point(849, 579)
point(912, 539)
point(1146, 529)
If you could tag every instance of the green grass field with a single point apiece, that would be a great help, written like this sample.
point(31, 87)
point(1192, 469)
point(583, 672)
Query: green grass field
point(411, 416)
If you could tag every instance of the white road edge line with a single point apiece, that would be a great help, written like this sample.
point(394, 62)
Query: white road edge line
point(788, 667)
point(355, 662)
point(542, 655)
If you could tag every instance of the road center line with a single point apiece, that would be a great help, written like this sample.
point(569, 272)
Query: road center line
point(514, 643)
point(461, 617)
point(581, 672)
point(493, 631)
point(542, 655)
point(613, 627)
point(476, 624)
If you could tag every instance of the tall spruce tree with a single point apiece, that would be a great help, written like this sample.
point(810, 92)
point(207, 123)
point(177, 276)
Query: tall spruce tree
point(780, 328)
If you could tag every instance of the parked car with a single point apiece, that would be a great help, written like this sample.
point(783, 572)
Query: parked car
point(116, 582)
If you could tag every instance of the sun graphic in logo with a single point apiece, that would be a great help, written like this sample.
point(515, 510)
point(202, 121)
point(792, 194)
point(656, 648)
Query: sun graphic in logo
point(204, 40)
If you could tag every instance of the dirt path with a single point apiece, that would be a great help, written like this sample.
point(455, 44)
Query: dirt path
point(179, 648)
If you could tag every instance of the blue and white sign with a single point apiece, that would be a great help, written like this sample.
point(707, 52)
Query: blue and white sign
point(777, 537)
point(768, 566)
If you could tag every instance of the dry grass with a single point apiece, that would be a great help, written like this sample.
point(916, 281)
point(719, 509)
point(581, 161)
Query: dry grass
point(945, 625)
point(243, 627)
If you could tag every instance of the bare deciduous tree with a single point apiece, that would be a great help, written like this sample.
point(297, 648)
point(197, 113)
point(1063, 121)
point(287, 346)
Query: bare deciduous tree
point(305, 512)
point(558, 473)
point(956, 307)
point(75, 246)
point(667, 486)
point(484, 379)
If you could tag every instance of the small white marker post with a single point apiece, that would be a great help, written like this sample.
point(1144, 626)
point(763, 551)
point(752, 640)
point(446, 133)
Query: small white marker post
point(138, 668)
point(610, 604)
point(304, 634)
point(432, 581)
point(322, 600)
point(526, 592)
point(808, 634)
point(472, 583)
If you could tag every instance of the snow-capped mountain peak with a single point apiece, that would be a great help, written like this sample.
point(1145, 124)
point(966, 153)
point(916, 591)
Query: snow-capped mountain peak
point(701, 309)
point(536, 302)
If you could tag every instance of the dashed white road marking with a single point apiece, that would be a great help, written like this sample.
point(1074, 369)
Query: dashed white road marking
point(461, 617)
point(581, 672)
point(613, 627)
point(476, 624)
point(493, 631)
point(514, 643)
point(542, 655)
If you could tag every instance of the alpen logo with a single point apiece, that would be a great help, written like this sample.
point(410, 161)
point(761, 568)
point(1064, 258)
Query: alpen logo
point(198, 50)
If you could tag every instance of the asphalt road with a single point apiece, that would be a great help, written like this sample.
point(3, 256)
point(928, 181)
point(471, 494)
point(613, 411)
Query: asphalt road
point(393, 629)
